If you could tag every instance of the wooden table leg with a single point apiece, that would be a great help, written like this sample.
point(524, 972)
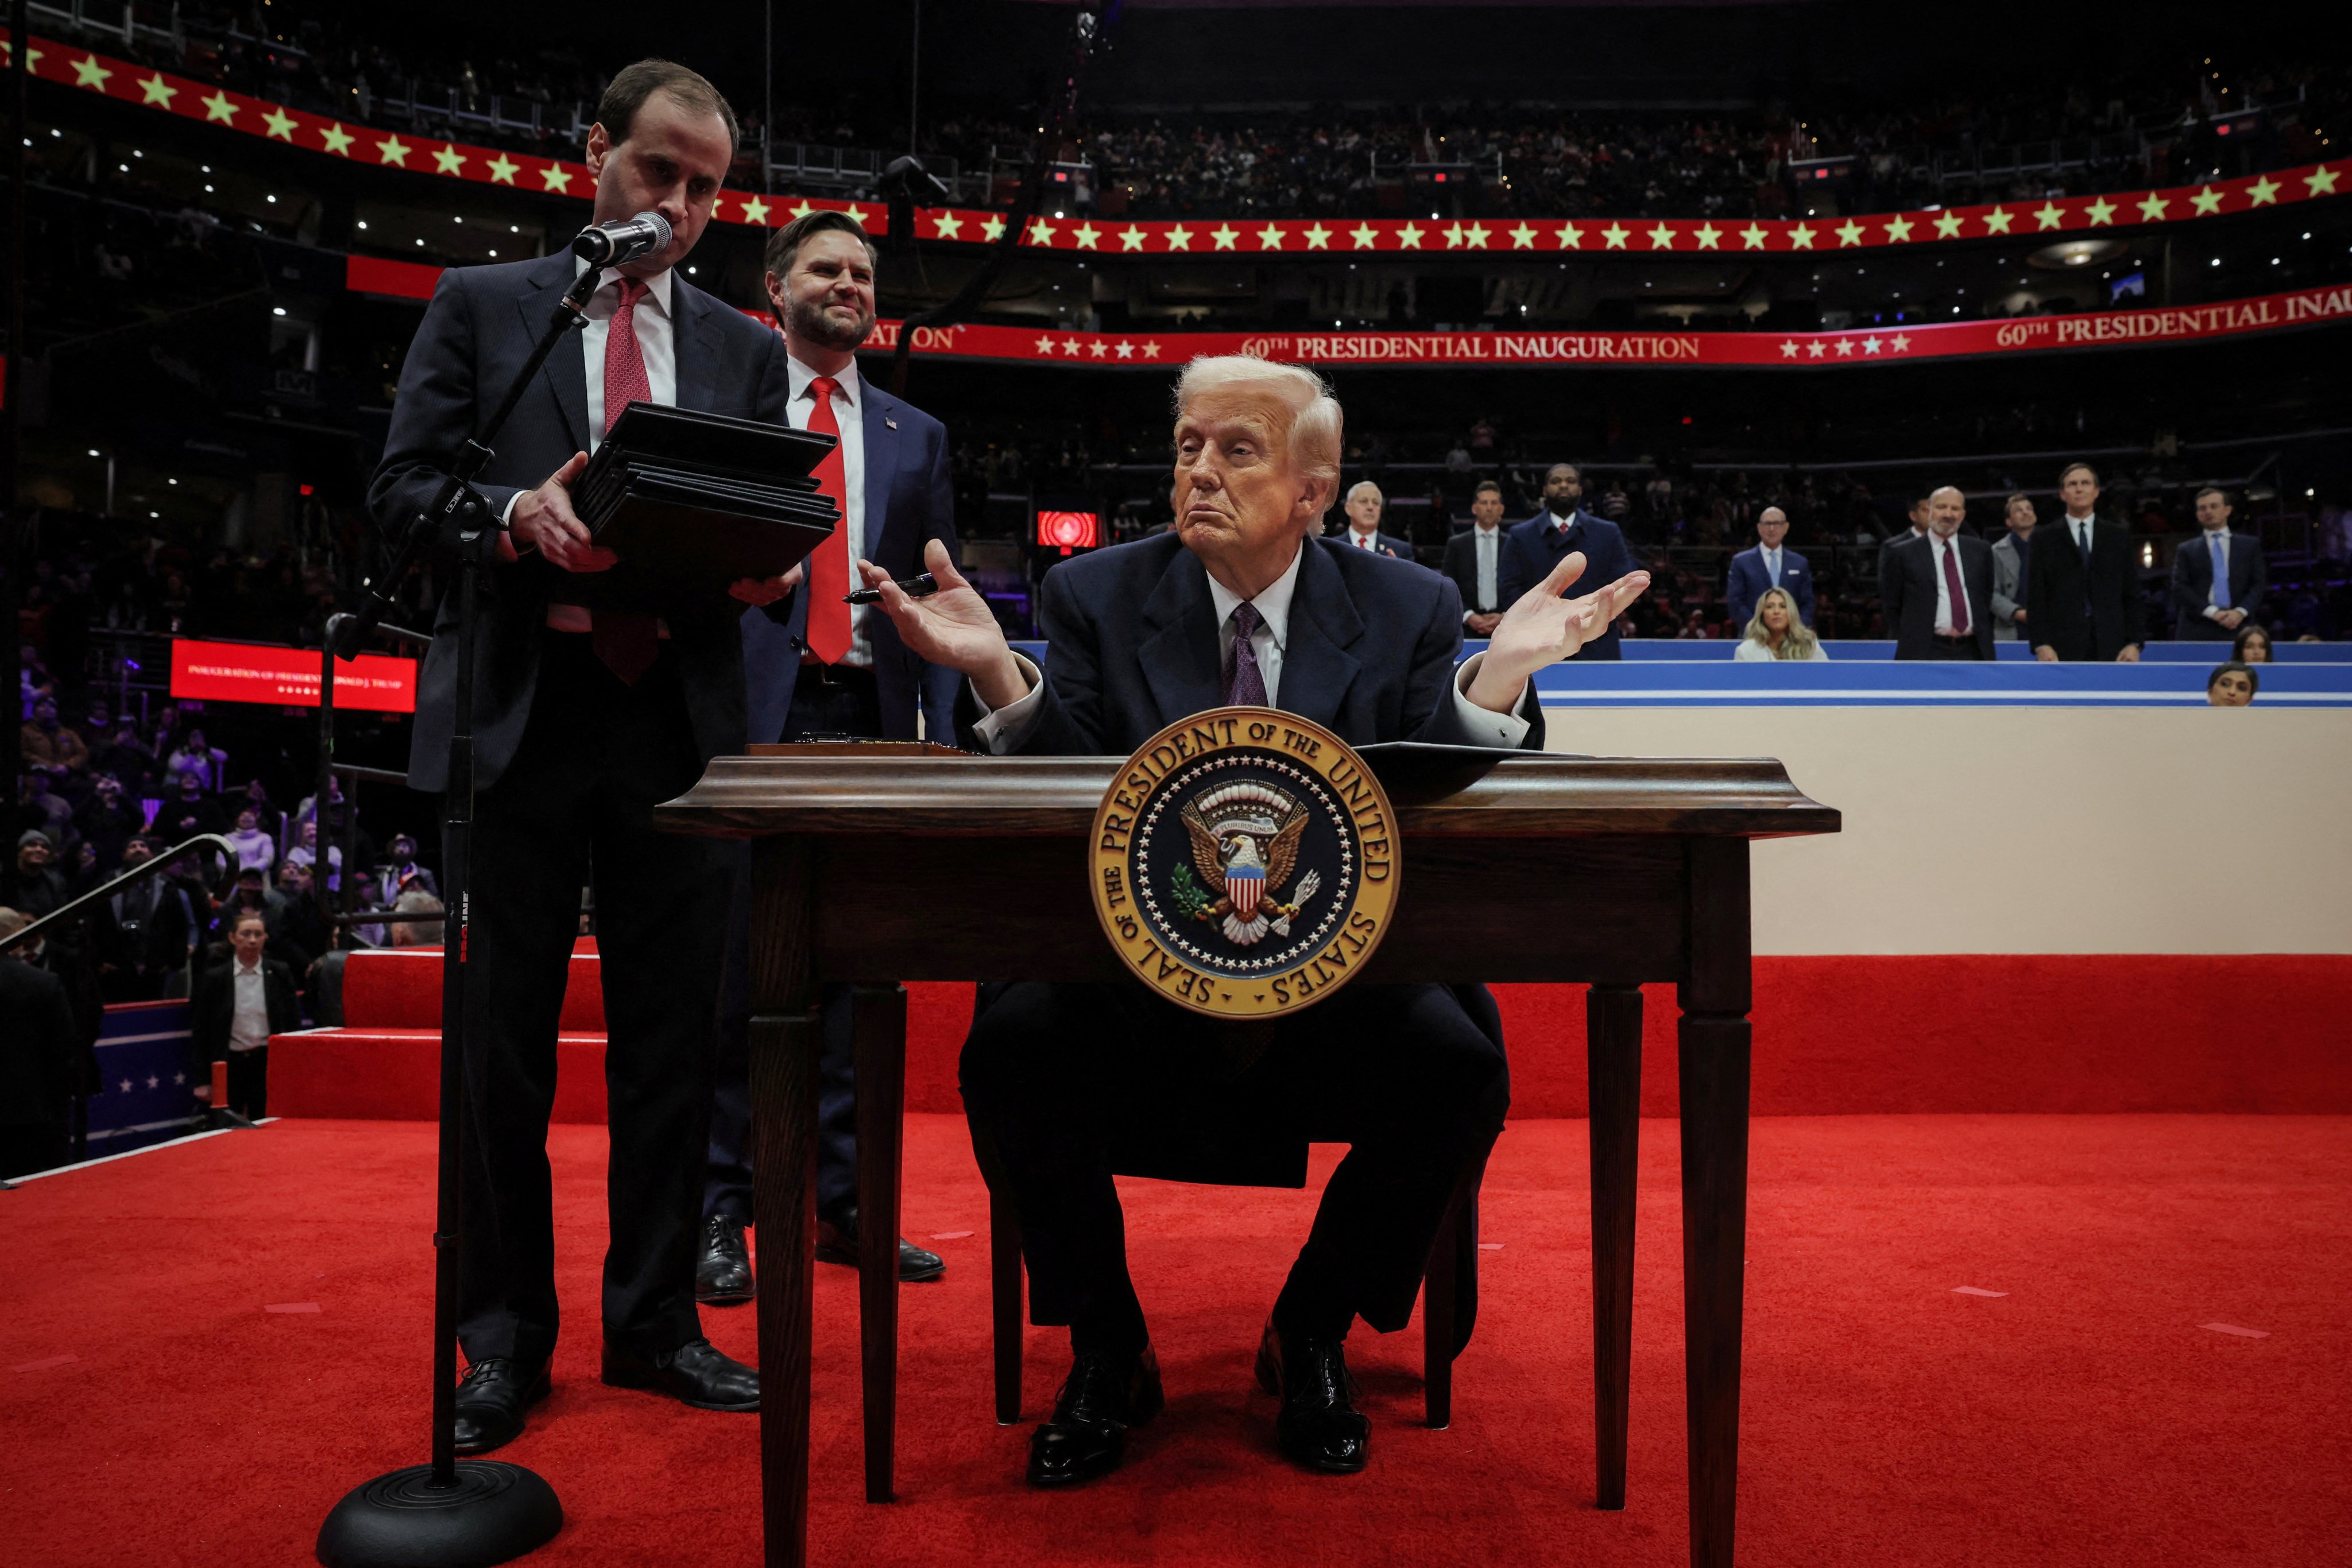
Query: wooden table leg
point(1612, 1035)
point(1005, 1301)
point(784, 1043)
point(1714, 1050)
point(878, 1029)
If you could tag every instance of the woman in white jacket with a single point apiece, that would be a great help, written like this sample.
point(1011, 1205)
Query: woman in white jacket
point(1776, 633)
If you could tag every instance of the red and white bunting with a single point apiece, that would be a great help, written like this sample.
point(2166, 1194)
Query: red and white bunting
point(2048, 219)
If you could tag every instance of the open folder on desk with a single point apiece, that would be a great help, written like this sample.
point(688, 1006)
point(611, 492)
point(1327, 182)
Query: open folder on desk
point(698, 500)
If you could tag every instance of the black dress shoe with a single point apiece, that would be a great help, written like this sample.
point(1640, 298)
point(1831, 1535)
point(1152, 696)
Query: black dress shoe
point(1086, 1435)
point(723, 1276)
point(694, 1373)
point(1319, 1426)
point(836, 1242)
point(491, 1398)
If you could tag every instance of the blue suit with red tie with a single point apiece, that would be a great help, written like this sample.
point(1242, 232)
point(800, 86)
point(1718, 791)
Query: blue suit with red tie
point(1531, 548)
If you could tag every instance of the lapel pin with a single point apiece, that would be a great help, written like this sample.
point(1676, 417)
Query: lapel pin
point(888, 421)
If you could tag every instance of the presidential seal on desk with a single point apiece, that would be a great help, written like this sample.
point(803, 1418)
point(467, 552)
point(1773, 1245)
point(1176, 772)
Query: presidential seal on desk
point(1244, 863)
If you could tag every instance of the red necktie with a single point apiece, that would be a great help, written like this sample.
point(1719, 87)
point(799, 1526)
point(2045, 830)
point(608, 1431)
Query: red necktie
point(1952, 586)
point(626, 640)
point(828, 573)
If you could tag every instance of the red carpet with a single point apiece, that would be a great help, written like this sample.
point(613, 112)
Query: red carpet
point(160, 1414)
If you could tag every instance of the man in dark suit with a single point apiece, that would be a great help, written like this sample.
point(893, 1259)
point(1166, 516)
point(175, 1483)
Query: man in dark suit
point(827, 669)
point(1938, 591)
point(1534, 548)
point(237, 1005)
point(1063, 1083)
point(2210, 605)
point(1362, 531)
point(597, 695)
point(1474, 561)
point(1755, 572)
point(2082, 583)
point(40, 1046)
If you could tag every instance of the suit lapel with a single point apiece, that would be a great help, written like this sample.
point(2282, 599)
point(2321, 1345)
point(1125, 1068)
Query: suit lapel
point(1317, 668)
point(1179, 654)
point(566, 371)
point(881, 442)
point(695, 360)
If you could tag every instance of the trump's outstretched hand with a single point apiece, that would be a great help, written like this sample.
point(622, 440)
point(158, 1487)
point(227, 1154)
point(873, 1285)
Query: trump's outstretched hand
point(1545, 627)
point(953, 627)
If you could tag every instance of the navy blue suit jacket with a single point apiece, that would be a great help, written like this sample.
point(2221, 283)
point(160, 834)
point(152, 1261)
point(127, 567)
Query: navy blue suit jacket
point(2192, 584)
point(474, 337)
point(909, 502)
point(1531, 548)
point(1131, 647)
point(1748, 583)
point(1381, 541)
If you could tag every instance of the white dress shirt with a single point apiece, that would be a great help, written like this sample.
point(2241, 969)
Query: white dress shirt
point(1362, 540)
point(1004, 730)
point(2217, 546)
point(249, 1018)
point(1490, 555)
point(1937, 548)
point(847, 398)
point(2079, 530)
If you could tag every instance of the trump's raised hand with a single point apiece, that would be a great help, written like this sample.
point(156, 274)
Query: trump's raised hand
point(1545, 627)
point(953, 627)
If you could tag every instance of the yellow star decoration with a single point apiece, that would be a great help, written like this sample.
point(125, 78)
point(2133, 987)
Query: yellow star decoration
point(392, 149)
point(1041, 232)
point(1898, 229)
point(1662, 238)
point(949, 226)
point(2320, 182)
point(1801, 237)
point(1709, 234)
point(1615, 233)
point(1225, 235)
point(1997, 221)
point(2262, 191)
point(89, 73)
point(218, 109)
point(336, 140)
point(502, 169)
point(448, 160)
point(2151, 207)
point(1319, 238)
point(155, 90)
point(1453, 232)
point(1365, 236)
point(278, 123)
point(1130, 238)
point(992, 229)
point(1269, 237)
point(2048, 216)
point(755, 211)
point(557, 178)
point(1087, 236)
point(2207, 202)
point(2102, 212)
point(803, 207)
point(1849, 233)
point(1752, 237)
point(1409, 236)
point(1180, 238)
point(1523, 238)
point(1948, 224)
point(1570, 237)
point(855, 214)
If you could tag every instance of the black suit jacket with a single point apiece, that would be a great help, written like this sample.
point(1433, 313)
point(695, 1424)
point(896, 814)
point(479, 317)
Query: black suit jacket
point(1532, 548)
point(2082, 614)
point(1131, 646)
point(475, 336)
point(37, 1048)
point(2192, 585)
point(212, 1009)
point(1906, 588)
point(1461, 566)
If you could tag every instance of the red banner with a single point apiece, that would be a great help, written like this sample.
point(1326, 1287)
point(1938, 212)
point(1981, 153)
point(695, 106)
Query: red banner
point(2042, 219)
point(289, 677)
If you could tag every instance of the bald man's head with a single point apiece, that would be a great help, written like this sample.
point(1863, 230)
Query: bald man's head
point(1945, 508)
point(1771, 527)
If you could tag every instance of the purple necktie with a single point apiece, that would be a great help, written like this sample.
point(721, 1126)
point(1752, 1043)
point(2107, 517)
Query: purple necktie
point(1244, 682)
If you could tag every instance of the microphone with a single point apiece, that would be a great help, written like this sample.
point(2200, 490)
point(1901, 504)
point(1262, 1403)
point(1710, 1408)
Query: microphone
point(623, 241)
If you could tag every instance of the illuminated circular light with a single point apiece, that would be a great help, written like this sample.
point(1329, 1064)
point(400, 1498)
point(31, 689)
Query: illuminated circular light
point(278, 311)
point(94, 451)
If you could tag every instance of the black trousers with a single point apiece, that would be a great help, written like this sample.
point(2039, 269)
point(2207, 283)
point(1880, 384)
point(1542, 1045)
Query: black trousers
point(249, 1082)
point(1946, 649)
point(1065, 1084)
point(574, 808)
point(851, 707)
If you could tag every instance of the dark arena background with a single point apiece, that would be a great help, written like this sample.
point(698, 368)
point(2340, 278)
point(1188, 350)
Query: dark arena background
point(2049, 1222)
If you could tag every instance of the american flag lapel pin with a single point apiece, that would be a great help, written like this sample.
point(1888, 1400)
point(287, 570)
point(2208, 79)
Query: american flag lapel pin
point(888, 421)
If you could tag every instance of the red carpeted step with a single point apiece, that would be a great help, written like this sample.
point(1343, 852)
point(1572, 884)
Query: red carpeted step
point(394, 1074)
point(400, 987)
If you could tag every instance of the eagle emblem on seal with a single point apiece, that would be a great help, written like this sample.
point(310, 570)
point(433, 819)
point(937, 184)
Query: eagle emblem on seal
point(1245, 843)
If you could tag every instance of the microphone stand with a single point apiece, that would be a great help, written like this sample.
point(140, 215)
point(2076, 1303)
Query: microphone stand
point(451, 1512)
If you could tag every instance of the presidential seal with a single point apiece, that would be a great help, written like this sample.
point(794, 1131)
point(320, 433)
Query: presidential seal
point(1244, 863)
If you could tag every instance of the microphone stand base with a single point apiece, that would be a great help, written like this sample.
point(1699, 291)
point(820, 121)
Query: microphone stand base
point(494, 1513)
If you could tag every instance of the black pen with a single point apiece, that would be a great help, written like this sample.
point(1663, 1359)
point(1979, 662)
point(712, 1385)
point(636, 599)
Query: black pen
point(912, 587)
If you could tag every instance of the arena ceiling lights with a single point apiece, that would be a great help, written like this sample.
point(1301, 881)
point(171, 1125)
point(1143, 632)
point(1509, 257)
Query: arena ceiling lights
point(2056, 216)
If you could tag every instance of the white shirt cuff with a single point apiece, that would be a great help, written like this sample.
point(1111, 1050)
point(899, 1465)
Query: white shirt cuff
point(1002, 730)
point(1483, 724)
point(2214, 612)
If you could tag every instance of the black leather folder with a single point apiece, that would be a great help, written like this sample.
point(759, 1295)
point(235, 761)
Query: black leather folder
point(700, 500)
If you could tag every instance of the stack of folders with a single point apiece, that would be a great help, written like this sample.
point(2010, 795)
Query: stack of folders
point(698, 500)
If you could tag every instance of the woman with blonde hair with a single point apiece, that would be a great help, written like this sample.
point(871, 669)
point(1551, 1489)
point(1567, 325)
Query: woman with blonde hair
point(1778, 633)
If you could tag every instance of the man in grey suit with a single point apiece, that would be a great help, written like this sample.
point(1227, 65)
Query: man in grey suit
point(599, 694)
point(2012, 560)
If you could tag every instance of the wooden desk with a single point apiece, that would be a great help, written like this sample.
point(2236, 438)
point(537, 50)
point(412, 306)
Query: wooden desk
point(1607, 872)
